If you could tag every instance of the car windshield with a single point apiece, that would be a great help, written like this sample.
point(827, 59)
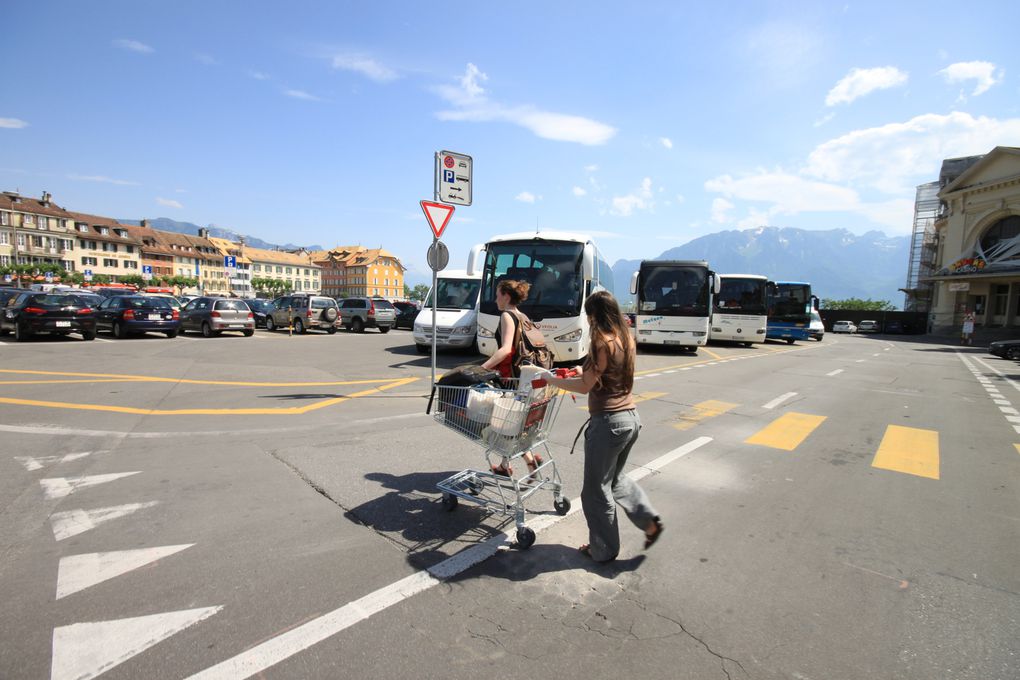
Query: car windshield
point(456, 294)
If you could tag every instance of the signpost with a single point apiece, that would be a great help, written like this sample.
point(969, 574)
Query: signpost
point(438, 216)
point(88, 274)
point(147, 272)
point(230, 264)
point(453, 180)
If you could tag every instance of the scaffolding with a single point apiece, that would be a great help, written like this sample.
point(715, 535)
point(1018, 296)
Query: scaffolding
point(923, 247)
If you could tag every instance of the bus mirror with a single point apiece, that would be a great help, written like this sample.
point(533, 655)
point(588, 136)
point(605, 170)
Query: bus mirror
point(472, 263)
point(633, 282)
point(588, 262)
point(716, 283)
point(814, 302)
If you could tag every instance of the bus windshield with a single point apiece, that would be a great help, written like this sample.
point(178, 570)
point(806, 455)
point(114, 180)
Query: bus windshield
point(455, 294)
point(741, 296)
point(791, 302)
point(673, 290)
point(552, 268)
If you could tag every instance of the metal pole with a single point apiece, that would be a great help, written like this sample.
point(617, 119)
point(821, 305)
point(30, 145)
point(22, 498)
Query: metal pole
point(435, 296)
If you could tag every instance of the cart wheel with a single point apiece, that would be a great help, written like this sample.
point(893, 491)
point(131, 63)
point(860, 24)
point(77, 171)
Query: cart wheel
point(562, 505)
point(449, 502)
point(525, 538)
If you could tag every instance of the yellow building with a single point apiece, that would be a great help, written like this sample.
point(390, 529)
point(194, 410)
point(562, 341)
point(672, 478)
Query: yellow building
point(295, 269)
point(351, 271)
point(35, 231)
point(239, 280)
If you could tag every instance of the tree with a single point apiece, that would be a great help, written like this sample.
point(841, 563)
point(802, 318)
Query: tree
point(133, 280)
point(419, 292)
point(856, 304)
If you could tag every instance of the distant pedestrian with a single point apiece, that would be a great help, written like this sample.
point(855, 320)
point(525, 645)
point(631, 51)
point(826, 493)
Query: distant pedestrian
point(607, 377)
point(968, 328)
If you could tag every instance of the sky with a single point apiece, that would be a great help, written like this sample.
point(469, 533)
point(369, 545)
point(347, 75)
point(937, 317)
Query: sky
point(643, 124)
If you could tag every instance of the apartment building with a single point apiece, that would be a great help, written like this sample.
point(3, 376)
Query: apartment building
point(350, 271)
point(35, 231)
point(105, 246)
point(296, 269)
point(239, 280)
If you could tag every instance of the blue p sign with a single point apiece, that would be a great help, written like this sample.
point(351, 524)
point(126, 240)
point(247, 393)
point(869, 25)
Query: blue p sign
point(448, 176)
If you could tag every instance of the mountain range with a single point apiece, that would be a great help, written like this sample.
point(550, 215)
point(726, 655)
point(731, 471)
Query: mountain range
point(838, 263)
point(167, 224)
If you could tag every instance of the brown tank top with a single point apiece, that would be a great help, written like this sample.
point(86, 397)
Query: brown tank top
point(610, 393)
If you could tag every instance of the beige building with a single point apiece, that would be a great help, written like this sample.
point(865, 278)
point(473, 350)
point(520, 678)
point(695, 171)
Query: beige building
point(977, 237)
point(35, 231)
point(350, 271)
point(239, 280)
point(105, 246)
point(296, 269)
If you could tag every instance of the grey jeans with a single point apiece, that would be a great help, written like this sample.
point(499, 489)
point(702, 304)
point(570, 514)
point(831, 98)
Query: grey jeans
point(607, 443)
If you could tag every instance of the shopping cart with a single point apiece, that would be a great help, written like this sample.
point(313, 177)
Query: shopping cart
point(506, 422)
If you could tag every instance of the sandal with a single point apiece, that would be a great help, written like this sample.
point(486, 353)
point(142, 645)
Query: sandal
point(586, 551)
point(502, 469)
point(535, 462)
point(650, 539)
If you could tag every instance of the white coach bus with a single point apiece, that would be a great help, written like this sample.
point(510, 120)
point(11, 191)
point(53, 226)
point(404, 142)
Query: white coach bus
point(563, 270)
point(740, 312)
point(674, 302)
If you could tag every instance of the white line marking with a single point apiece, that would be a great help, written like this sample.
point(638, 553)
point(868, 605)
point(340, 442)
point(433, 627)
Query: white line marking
point(1002, 375)
point(860, 361)
point(836, 372)
point(78, 572)
point(653, 375)
point(58, 487)
point(1010, 410)
point(275, 650)
point(1013, 419)
point(85, 650)
point(73, 522)
point(779, 400)
point(38, 463)
point(876, 355)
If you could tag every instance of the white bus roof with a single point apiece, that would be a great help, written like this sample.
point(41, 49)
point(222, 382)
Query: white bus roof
point(456, 274)
point(543, 236)
point(745, 276)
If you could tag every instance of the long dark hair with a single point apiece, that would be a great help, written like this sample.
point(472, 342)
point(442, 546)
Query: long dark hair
point(607, 321)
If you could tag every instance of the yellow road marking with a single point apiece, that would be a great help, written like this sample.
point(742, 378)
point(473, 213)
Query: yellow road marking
point(293, 410)
point(1017, 446)
point(703, 411)
point(711, 353)
point(910, 450)
point(638, 398)
point(786, 432)
point(115, 377)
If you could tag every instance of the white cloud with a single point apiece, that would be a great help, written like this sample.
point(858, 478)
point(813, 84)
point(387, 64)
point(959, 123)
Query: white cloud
point(12, 123)
point(824, 119)
point(102, 178)
point(203, 58)
point(720, 210)
point(640, 199)
point(168, 202)
point(755, 218)
point(981, 71)
point(578, 191)
point(862, 81)
point(366, 66)
point(472, 105)
point(666, 142)
point(591, 168)
point(133, 46)
point(896, 157)
point(525, 197)
point(301, 94)
point(680, 198)
point(258, 75)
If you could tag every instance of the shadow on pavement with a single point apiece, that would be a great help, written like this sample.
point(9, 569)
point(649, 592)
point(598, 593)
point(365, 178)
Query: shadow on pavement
point(524, 565)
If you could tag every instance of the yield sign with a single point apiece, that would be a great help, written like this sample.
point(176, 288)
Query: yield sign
point(438, 216)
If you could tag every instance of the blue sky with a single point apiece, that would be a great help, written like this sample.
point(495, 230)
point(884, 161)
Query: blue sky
point(646, 124)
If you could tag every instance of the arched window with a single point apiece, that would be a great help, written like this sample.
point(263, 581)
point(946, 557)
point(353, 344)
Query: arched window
point(997, 235)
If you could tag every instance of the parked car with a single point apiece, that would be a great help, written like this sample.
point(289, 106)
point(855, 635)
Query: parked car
point(867, 326)
point(260, 309)
point(174, 302)
point(212, 316)
point(304, 312)
point(893, 327)
point(123, 315)
point(1007, 349)
point(7, 293)
point(816, 329)
point(844, 327)
point(59, 314)
point(405, 313)
point(359, 313)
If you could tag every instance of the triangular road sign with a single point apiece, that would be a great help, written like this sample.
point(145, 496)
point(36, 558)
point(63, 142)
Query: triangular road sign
point(438, 215)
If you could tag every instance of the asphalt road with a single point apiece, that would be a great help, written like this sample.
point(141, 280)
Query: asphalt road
point(267, 507)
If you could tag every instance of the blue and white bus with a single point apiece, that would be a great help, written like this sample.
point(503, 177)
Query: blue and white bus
point(790, 307)
point(563, 270)
point(674, 302)
point(740, 312)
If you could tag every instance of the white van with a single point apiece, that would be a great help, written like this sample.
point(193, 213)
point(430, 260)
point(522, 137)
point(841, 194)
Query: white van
point(456, 312)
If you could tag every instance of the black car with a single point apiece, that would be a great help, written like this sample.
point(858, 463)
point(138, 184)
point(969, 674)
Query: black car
point(126, 314)
point(32, 312)
point(1007, 349)
point(406, 312)
point(259, 308)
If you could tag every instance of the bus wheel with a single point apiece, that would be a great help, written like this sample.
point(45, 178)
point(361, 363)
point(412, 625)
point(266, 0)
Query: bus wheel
point(693, 350)
point(789, 341)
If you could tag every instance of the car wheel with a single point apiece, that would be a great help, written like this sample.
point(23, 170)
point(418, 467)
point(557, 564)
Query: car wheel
point(384, 329)
point(270, 324)
point(331, 330)
point(299, 326)
point(3, 332)
point(358, 326)
point(249, 333)
point(171, 334)
point(789, 341)
point(21, 334)
point(118, 330)
point(207, 331)
point(1013, 353)
point(88, 335)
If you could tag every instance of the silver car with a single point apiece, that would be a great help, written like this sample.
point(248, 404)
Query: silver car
point(303, 312)
point(212, 316)
point(359, 313)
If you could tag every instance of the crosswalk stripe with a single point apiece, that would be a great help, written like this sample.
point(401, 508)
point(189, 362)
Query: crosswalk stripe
point(703, 411)
point(786, 432)
point(909, 450)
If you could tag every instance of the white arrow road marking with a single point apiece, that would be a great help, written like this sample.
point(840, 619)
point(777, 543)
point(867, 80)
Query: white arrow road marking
point(58, 487)
point(74, 522)
point(78, 572)
point(85, 650)
point(33, 464)
point(836, 372)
